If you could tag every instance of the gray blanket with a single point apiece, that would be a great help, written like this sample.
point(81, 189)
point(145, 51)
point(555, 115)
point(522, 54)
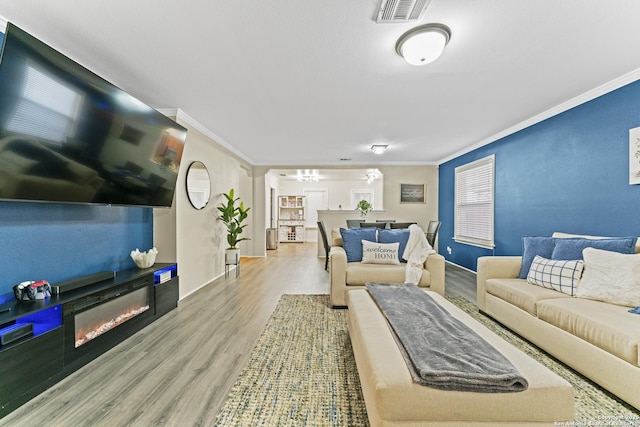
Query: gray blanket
point(441, 351)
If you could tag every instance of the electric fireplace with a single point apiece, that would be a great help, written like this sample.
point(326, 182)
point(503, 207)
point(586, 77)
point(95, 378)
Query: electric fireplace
point(96, 322)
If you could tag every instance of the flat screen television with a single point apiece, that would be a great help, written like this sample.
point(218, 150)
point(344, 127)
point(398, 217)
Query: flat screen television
point(68, 135)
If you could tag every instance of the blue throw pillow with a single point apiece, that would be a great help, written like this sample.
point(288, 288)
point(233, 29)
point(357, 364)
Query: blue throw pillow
point(395, 236)
point(569, 249)
point(532, 246)
point(352, 241)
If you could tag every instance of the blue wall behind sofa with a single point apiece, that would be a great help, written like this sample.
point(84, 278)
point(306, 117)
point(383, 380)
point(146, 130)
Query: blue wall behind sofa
point(568, 173)
point(56, 242)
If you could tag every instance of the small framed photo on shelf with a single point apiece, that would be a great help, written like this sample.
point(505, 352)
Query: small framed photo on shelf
point(412, 193)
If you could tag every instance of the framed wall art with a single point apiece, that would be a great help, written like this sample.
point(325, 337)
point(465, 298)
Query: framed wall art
point(412, 193)
point(634, 156)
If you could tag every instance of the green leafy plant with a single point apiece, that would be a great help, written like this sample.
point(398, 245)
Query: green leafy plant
point(232, 214)
point(364, 207)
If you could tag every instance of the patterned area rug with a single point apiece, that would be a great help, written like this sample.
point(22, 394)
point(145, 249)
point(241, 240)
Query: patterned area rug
point(302, 372)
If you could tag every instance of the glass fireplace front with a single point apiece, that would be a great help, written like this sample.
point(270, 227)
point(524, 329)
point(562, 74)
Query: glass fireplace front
point(99, 320)
point(102, 318)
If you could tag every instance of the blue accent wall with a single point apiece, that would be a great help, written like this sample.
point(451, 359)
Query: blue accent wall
point(55, 242)
point(569, 173)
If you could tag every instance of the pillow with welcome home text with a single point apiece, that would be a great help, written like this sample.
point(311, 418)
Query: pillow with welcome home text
point(380, 253)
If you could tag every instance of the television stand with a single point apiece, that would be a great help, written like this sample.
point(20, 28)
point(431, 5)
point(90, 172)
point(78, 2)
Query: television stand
point(68, 329)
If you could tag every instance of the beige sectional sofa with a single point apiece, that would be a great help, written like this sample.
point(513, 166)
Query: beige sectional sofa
point(598, 339)
point(352, 275)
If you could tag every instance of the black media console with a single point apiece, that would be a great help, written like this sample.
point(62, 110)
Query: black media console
point(46, 340)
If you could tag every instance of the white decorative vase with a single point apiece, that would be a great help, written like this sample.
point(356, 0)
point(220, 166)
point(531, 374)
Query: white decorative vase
point(232, 256)
point(144, 259)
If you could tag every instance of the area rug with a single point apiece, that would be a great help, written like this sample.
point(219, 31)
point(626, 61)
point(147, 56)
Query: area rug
point(302, 373)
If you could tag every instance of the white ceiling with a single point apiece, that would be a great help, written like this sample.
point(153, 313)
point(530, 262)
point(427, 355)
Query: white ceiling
point(310, 82)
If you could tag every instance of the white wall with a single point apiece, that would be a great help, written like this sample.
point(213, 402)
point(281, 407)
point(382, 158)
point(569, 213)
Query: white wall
point(196, 239)
point(420, 212)
point(339, 192)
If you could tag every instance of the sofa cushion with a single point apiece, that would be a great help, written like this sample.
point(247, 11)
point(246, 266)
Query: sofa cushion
point(611, 277)
point(572, 248)
point(336, 237)
point(380, 253)
point(560, 275)
point(359, 274)
point(607, 326)
point(520, 293)
point(532, 246)
point(560, 235)
point(391, 236)
point(352, 241)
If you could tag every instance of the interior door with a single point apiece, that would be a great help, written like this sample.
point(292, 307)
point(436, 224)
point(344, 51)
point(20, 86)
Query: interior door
point(315, 200)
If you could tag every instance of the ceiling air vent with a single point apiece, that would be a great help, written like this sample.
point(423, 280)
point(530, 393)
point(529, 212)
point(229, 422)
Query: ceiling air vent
point(401, 11)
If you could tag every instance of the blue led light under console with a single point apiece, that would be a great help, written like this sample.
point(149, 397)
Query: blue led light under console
point(44, 320)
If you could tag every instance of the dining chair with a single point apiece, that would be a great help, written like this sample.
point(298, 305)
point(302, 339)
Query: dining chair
point(386, 221)
point(353, 223)
point(325, 242)
point(432, 232)
point(373, 225)
point(396, 225)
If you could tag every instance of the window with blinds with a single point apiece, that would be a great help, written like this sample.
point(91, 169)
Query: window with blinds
point(474, 203)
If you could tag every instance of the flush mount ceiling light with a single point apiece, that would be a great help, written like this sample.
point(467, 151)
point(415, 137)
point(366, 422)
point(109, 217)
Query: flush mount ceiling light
point(378, 148)
point(423, 44)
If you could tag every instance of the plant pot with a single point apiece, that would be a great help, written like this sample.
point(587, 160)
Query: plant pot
point(232, 256)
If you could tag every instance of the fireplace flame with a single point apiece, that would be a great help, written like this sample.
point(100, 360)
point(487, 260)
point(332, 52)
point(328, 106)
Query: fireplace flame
point(82, 337)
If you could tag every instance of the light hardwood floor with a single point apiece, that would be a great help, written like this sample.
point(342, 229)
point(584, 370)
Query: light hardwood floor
point(179, 370)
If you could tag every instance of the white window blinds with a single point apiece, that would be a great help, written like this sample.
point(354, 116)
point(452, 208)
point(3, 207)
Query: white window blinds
point(474, 202)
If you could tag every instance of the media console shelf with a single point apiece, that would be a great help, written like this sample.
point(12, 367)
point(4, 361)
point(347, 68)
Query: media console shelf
point(60, 334)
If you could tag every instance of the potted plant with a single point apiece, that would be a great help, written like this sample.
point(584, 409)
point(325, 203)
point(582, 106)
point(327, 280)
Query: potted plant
point(364, 207)
point(232, 216)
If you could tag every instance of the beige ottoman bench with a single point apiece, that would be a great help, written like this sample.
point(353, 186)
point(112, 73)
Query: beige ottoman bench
point(393, 399)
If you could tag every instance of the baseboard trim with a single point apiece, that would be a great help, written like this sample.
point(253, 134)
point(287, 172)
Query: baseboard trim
point(461, 266)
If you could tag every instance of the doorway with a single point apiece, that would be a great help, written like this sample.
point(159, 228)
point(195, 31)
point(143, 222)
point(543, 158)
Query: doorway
point(315, 199)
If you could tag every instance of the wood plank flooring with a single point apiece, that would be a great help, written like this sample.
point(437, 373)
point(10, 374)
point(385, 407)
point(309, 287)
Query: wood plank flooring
point(179, 370)
point(460, 282)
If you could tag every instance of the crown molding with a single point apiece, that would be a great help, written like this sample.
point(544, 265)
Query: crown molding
point(561, 108)
point(181, 115)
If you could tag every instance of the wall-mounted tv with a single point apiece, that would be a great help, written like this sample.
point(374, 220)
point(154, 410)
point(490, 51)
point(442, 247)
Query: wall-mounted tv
point(68, 135)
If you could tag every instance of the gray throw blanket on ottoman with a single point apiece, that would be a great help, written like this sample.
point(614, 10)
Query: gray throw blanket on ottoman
point(441, 351)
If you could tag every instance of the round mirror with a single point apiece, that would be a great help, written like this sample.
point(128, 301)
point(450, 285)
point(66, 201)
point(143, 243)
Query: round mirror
point(198, 185)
